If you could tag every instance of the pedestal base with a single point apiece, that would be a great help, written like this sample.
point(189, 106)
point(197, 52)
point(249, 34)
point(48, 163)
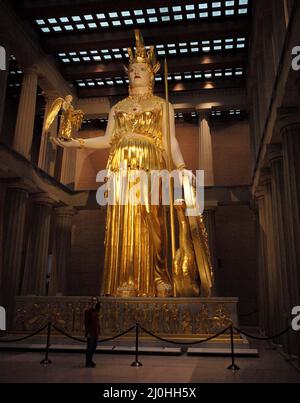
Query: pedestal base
point(175, 318)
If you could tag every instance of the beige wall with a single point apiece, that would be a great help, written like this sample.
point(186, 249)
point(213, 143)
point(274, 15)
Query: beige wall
point(236, 245)
point(87, 258)
point(231, 154)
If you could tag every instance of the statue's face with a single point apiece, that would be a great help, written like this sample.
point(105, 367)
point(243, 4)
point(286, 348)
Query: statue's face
point(139, 75)
point(69, 98)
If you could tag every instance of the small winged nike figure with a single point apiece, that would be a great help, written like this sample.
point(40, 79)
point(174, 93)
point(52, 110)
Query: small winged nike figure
point(70, 121)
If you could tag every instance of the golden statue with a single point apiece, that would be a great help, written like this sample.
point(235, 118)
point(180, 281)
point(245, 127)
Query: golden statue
point(70, 120)
point(141, 136)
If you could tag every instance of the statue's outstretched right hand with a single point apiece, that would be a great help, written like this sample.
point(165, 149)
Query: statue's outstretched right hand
point(65, 144)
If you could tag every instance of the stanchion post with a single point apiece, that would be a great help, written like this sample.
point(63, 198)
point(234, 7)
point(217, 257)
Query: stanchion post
point(137, 363)
point(232, 366)
point(46, 360)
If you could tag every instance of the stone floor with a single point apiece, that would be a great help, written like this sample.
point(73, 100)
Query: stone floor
point(270, 367)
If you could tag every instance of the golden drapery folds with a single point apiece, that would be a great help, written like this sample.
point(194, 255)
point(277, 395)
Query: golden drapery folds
point(136, 235)
point(136, 242)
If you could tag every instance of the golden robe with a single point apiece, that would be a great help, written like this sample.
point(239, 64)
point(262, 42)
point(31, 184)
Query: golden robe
point(136, 235)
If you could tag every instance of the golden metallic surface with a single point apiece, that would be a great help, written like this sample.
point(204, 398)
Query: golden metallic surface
point(141, 55)
point(70, 121)
point(185, 318)
point(200, 242)
point(136, 235)
point(186, 276)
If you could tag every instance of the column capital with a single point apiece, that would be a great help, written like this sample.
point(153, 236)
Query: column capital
point(43, 199)
point(22, 184)
point(287, 117)
point(265, 176)
point(203, 113)
point(65, 211)
point(259, 193)
point(33, 69)
point(273, 152)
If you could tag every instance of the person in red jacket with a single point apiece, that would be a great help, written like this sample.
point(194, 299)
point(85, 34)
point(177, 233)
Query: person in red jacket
point(92, 330)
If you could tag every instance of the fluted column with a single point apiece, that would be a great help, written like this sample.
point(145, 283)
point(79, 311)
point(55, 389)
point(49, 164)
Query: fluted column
point(3, 77)
point(271, 253)
point(263, 286)
point(205, 149)
point(290, 130)
point(274, 153)
point(63, 234)
point(26, 113)
point(14, 225)
point(47, 149)
point(35, 281)
point(68, 167)
point(291, 167)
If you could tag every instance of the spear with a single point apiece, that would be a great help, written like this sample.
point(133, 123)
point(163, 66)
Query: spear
point(170, 163)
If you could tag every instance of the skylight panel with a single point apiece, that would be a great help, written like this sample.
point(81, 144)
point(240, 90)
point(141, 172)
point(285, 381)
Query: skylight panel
point(178, 17)
point(116, 23)
point(216, 4)
point(191, 16)
point(176, 9)
point(243, 11)
point(40, 22)
point(76, 18)
point(153, 19)
point(113, 15)
point(64, 19)
point(229, 12)
point(190, 7)
point(104, 24)
point(138, 12)
point(229, 3)
point(101, 16)
point(128, 22)
point(150, 11)
point(52, 20)
point(125, 13)
point(164, 10)
point(141, 20)
point(80, 26)
point(69, 28)
point(46, 30)
point(57, 29)
point(203, 15)
point(165, 18)
point(88, 17)
point(203, 6)
point(243, 2)
point(216, 13)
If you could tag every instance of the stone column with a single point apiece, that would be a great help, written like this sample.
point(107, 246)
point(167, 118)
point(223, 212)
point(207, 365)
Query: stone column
point(35, 276)
point(274, 154)
point(47, 149)
point(63, 235)
point(263, 263)
point(272, 279)
point(26, 113)
point(68, 167)
point(4, 69)
point(290, 130)
point(205, 149)
point(289, 126)
point(13, 242)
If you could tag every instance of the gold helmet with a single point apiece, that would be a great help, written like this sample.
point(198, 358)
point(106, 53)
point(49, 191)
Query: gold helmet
point(141, 55)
